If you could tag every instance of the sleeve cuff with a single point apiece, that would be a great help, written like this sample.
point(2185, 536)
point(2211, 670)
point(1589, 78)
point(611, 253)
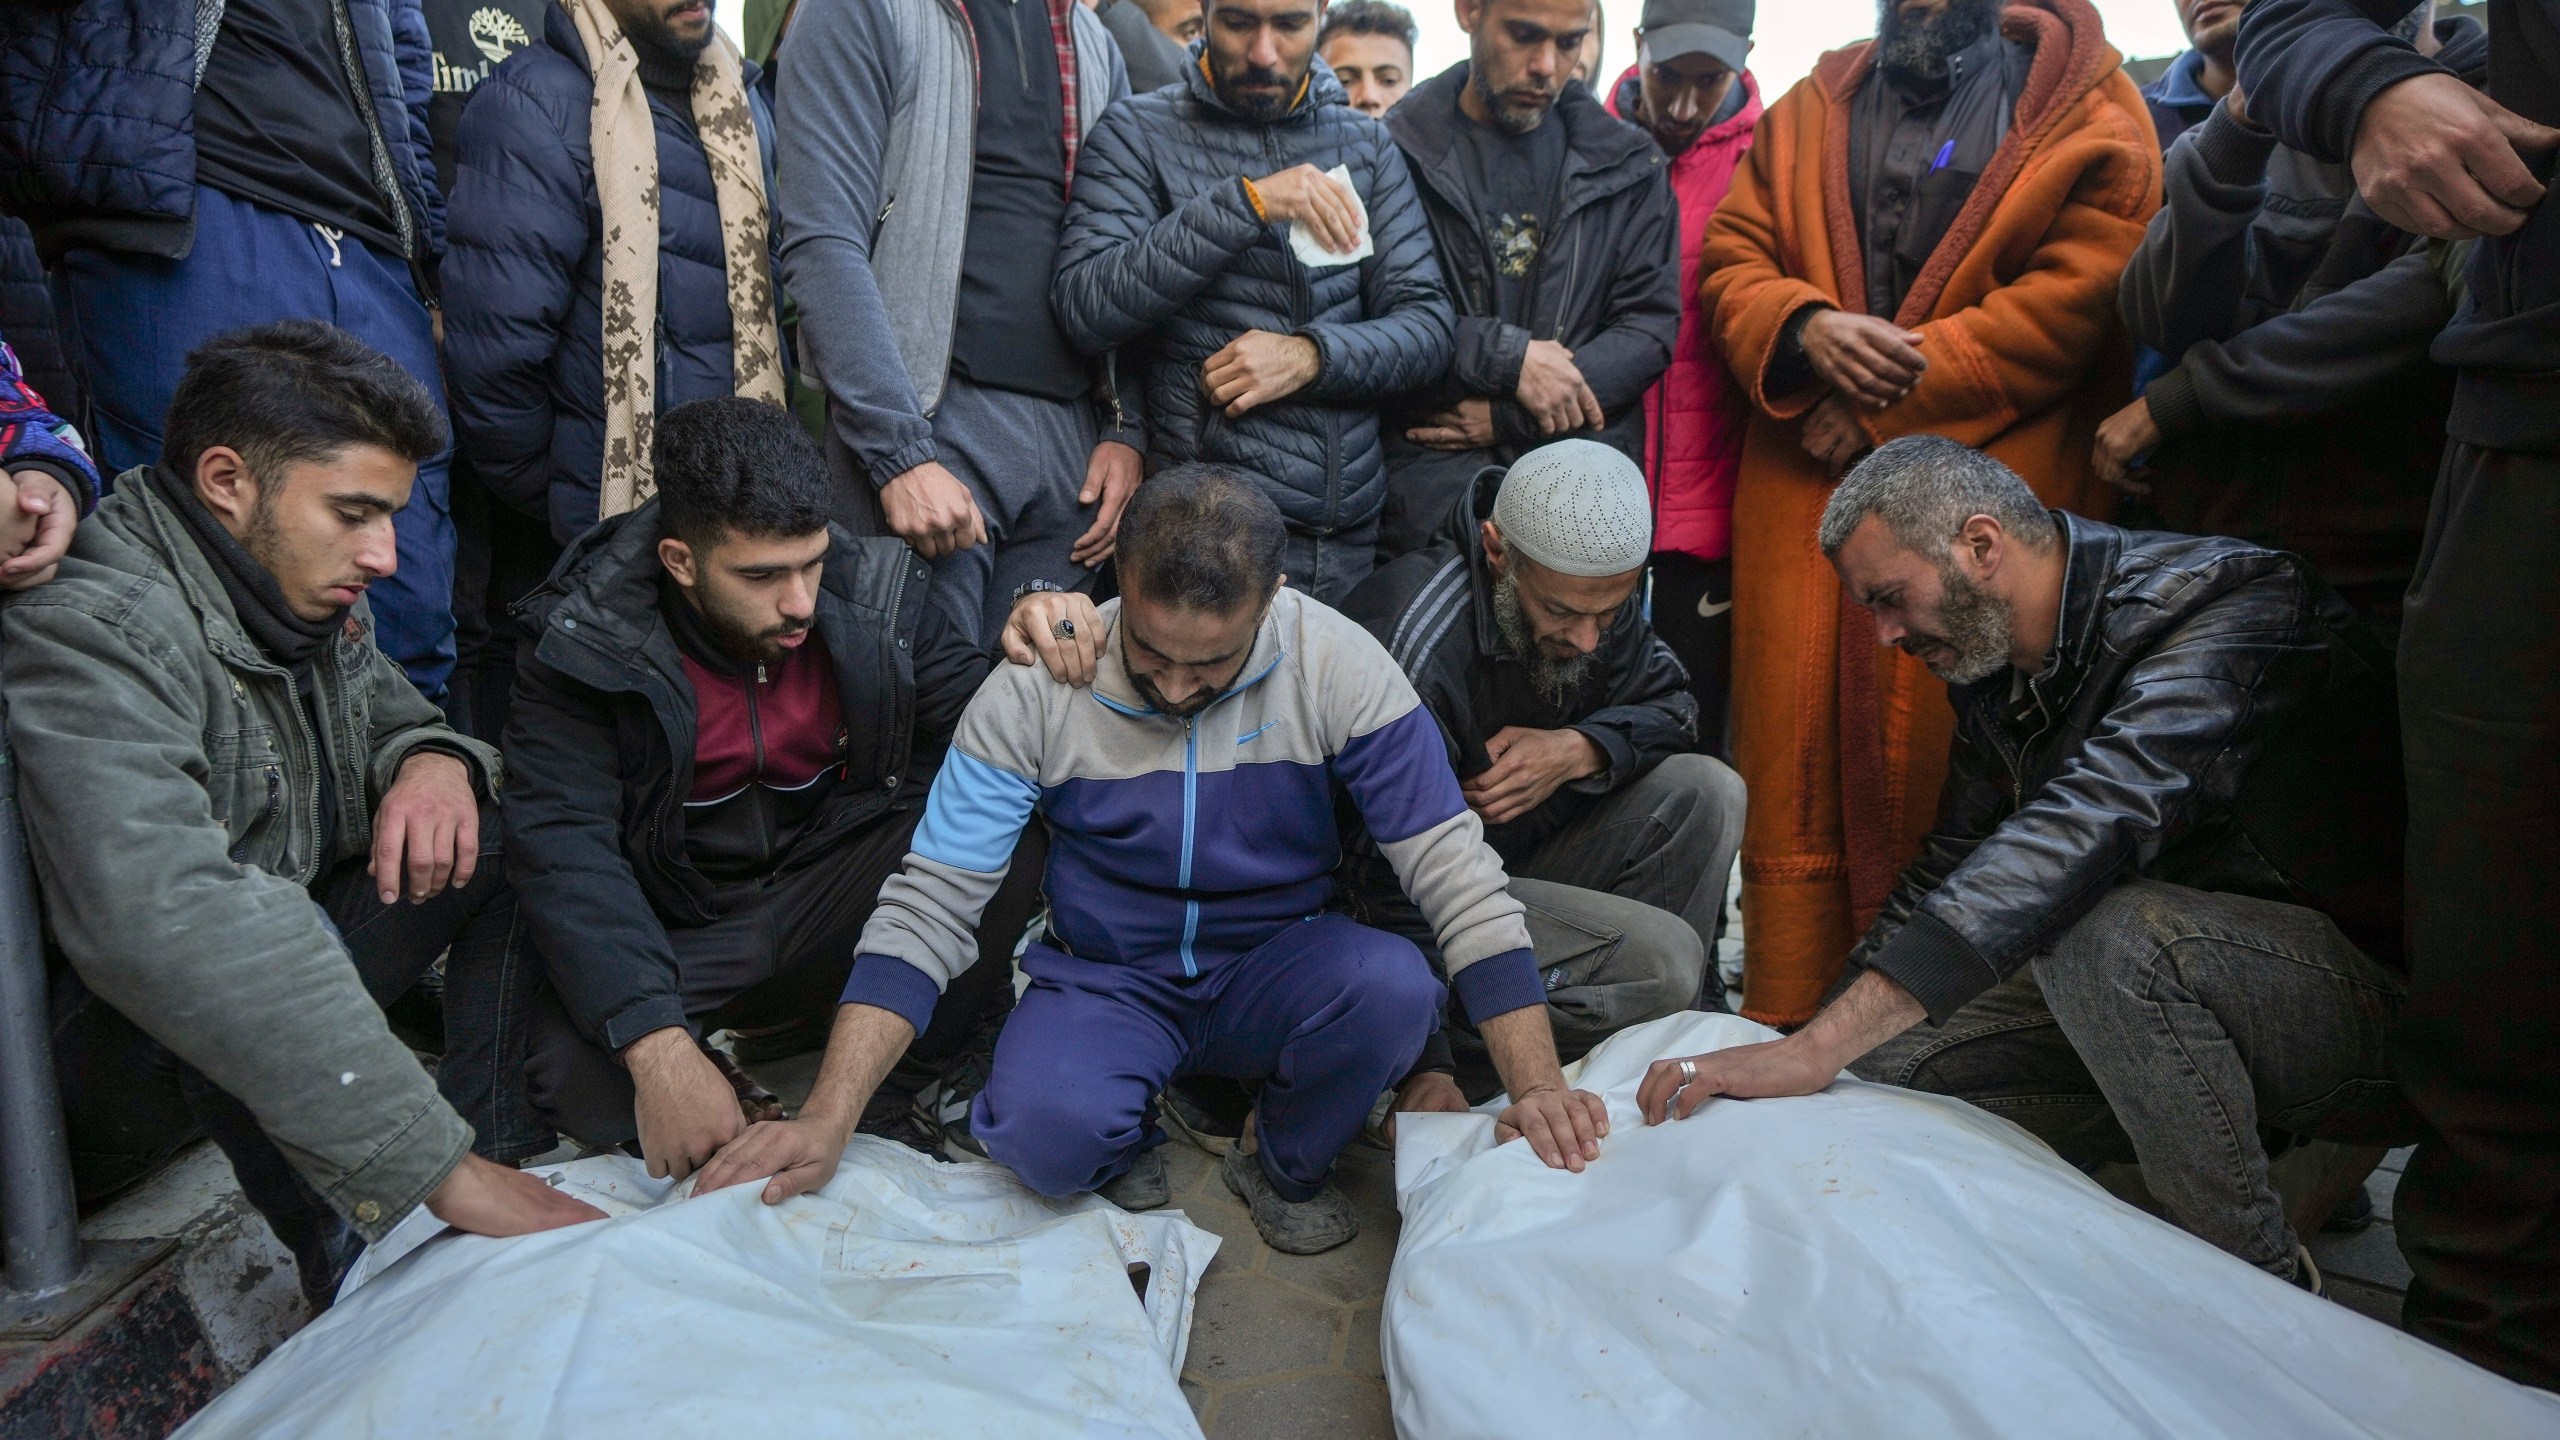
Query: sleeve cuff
point(1498, 985)
point(2353, 86)
point(892, 984)
point(898, 462)
point(84, 490)
point(2175, 407)
point(2234, 152)
point(654, 1014)
point(1617, 758)
point(1939, 967)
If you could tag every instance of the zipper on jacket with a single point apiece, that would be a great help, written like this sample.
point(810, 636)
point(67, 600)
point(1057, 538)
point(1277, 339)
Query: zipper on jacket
point(755, 733)
point(1190, 824)
point(311, 756)
point(386, 175)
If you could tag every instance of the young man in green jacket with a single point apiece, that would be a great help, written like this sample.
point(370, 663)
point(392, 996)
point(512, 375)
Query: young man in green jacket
point(250, 829)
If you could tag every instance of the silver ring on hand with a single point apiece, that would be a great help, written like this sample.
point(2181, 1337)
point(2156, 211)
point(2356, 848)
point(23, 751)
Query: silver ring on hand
point(1688, 1073)
point(1064, 629)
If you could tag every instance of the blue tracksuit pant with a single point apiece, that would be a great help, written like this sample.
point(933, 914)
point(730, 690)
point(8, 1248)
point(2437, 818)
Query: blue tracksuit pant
point(134, 317)
point(1328, 1013)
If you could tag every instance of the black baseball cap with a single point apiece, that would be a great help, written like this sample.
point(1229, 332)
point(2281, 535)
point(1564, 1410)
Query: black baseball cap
point(1720, 29)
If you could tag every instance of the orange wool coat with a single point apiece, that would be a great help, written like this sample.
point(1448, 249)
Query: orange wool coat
point(1844, 743)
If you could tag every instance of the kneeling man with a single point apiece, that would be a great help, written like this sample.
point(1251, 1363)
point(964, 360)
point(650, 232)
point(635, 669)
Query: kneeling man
point(1189, 796)
point(2160, 908)
point(1523, 628)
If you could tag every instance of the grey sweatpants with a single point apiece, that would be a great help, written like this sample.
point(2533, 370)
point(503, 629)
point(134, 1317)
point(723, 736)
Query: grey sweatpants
point(1024, 458)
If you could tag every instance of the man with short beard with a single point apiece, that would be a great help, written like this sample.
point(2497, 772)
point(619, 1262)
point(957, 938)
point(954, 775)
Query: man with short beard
point(1924, 239)
point(1189, 795)
point(2159, 916)
point(1570, 724)
point(720, 748)
point(1554, 221)
point(1179, 247)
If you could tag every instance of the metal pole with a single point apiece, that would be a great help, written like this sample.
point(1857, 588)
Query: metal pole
point(39, 1218)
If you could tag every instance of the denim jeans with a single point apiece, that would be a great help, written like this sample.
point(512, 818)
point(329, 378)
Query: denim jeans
point(489, 968)
point(2171, 1026)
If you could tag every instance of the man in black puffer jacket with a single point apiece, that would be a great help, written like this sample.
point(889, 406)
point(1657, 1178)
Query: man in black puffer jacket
point(2159, 914)
point(1178, 249)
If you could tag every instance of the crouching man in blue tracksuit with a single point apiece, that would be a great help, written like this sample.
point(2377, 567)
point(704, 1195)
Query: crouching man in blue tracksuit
point(1190, 799)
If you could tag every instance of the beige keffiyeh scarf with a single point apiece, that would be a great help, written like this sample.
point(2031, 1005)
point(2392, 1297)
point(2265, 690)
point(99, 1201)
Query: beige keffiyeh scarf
point(625, 141)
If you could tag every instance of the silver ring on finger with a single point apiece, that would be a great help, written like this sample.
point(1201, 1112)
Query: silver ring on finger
point(1688, 1073)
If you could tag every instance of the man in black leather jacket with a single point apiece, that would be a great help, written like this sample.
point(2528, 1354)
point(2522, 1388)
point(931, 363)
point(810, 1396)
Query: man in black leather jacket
point(2161, 906)
point(1178, 254)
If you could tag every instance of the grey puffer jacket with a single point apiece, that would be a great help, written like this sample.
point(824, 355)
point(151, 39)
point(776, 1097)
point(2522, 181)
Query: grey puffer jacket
point(1166, 256)
point(171, 785)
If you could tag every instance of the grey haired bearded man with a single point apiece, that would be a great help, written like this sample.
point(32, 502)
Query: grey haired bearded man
point(2158, 918)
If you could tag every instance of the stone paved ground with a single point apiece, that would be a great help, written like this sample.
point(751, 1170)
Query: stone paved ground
point(2365, 1271)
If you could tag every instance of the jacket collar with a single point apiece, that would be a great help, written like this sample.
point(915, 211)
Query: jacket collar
point(1113, 689)
point(2179, 87)
point(1602, 153)
point(2092, 550)
point(1724, 132)
point(138, 509)
point(1321, 89)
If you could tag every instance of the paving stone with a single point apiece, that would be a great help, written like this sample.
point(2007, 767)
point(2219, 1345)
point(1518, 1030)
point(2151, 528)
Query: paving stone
point(2397, 1160)
point(1248, 1325)
point(2383, 1186)
point(1355, 1271)
point(1187, 1170)
point(1360, 1352)
point(2366, 1300)
point(1335, 1407)
point(1200, 1399)
point(1214, 1210)
point(2372, 1256)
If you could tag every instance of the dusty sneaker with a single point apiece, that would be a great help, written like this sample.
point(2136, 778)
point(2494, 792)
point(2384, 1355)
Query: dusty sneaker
point(1207, 1110)
point(942, 1106)
point(1292, 1227)
point(893, 1117)
point(1143, 1186)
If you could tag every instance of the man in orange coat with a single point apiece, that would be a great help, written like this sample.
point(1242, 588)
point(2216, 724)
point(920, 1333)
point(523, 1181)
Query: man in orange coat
point(1926, 237)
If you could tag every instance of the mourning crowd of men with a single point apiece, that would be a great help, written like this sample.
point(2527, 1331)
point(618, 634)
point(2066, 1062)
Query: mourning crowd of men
point(1141, 577)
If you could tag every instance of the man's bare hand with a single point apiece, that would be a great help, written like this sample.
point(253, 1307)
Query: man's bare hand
point(792, 1157)
point(2125, 439)
point(1111, 476)
point(1305, 195)
point(1031, 635)
point(1528, 766)
point(426, 833)
point(1563, 1126)
point(1865, 357)
point(1745, 1072)
point(1258, 367)
point(686, 1107)
point(1428, 1092)
point(1552, 388)
point(1833, 436)
point(932, 511)
point(1466, 426)
point(2435, 156)
point(37, 516)
point(482, 1197)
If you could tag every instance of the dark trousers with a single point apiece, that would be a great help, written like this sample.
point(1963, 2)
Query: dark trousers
point(1693, 613)
point(500, 555)
point(2168, 1025)
point(781, 951)
point(109, 1065)
point(2479, 1208)
point(134, 317)
point(1326, 1013)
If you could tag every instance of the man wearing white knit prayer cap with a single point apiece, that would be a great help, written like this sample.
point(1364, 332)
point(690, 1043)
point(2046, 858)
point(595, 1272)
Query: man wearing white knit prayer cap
point(1523, 626)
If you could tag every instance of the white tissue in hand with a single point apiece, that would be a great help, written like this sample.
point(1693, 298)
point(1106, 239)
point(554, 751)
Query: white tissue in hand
point(1315, 256)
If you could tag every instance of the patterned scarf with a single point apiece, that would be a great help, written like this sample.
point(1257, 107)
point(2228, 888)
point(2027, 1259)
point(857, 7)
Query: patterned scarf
point(625, 141)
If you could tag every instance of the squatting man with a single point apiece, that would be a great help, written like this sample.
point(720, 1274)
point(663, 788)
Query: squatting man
point(1189, 797)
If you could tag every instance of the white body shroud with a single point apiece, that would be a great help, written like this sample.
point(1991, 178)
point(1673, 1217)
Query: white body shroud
point(1862, 1262)
point(907, 1298)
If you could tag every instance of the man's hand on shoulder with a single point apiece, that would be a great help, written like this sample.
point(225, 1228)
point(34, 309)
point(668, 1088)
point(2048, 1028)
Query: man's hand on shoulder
point(686, 1107)
point(1032, 634)
point(1528, 766)
point(426, 832)
point(2435, 156)
point(482, 1197)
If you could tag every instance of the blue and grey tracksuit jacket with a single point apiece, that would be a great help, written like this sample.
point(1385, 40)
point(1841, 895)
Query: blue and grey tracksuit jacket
point(1178, 844)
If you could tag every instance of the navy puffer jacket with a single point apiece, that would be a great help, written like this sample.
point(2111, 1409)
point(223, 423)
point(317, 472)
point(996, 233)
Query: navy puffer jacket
point(524, 282)
point(97, 117)
point(1164, 255)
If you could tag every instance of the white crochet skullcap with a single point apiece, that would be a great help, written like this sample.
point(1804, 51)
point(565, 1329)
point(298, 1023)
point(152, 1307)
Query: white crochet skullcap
point(1576, 507)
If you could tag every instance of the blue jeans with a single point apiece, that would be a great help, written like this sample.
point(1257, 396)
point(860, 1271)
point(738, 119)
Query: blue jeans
point(133, 318)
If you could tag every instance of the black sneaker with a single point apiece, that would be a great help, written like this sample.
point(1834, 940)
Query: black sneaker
point(1292, 1227)
point(2354, 1215)
point(892, 1116)
point(942, 1106)
point(1143, 1186)
point(1207, 1110)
